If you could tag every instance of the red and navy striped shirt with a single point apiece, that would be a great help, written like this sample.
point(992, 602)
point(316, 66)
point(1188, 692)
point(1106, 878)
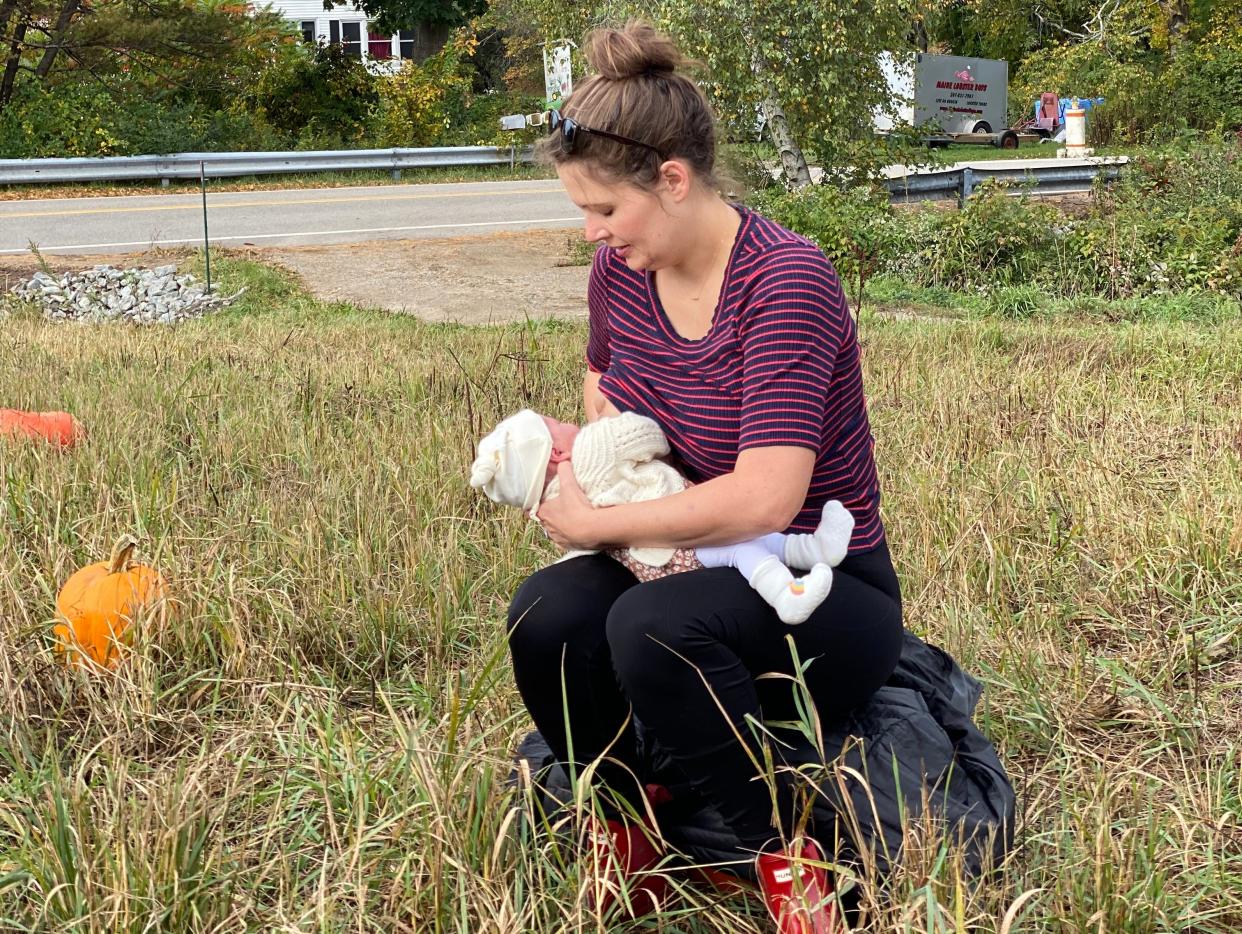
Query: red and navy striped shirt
point(779, 366)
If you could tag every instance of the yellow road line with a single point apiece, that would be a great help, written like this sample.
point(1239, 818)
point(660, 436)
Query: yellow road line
point(217, 205)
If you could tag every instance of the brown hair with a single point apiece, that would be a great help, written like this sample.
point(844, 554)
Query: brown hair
point(639, 90)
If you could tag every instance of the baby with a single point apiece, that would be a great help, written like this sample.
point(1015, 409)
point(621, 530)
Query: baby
point(616, 460)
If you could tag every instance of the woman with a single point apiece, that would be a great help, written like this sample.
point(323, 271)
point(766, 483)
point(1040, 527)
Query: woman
point(734, 335)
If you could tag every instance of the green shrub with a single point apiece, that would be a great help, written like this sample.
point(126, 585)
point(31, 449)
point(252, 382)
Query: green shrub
point(1208, 82)
point(435, 102)
point(1207, 74)
point(856, 227)
point(994, 240)
point(74, 119)
point(1168, 236)
point(43, 122)
point(322, 99)
point(1017, 301)
point(1172, 224)
point(425, 104)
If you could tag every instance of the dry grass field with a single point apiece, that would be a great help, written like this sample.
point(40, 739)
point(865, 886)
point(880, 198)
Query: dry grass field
point(318, 740)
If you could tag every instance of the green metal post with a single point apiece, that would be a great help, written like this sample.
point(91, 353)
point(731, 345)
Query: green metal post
point(202, 181)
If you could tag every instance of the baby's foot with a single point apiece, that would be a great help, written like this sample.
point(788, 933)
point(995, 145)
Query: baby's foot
point(793, 598)
point(836, 528)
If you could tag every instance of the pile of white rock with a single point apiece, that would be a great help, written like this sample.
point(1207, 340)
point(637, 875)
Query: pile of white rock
point(105, 293)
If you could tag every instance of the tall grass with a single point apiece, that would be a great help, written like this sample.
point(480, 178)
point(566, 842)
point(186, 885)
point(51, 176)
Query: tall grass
point(320, 740)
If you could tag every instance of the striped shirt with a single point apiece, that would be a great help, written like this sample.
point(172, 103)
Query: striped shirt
point(779, 366)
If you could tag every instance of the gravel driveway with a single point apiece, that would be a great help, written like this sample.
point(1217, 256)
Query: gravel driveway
point(485, 279)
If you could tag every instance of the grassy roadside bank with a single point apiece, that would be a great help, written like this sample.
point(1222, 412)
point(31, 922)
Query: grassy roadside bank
point(319, 741)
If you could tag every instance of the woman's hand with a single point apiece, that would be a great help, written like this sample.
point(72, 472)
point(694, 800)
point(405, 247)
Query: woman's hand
point(569, 519)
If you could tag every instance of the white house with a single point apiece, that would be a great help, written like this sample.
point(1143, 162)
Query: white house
point(346, 25)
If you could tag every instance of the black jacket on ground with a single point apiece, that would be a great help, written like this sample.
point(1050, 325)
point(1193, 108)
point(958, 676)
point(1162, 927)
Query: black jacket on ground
point(912, 751)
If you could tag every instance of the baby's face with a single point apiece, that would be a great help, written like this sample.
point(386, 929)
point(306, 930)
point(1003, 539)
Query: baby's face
point(563, 435)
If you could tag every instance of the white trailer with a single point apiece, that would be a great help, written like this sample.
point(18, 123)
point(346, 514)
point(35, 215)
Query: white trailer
point(952, 97)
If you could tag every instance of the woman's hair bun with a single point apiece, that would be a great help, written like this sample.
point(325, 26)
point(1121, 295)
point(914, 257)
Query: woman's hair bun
point(635, 49)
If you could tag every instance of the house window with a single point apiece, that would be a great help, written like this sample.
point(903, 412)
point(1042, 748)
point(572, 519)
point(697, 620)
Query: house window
point(334, 32)
point(308, 31)
point(405, 42)
point(379, 46)
point(351, 39)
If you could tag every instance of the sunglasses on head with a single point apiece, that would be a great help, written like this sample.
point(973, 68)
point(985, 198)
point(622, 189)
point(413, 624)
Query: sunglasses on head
point(571, 131)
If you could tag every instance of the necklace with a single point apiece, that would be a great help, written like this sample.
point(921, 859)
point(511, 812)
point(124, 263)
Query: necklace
point(711, 269)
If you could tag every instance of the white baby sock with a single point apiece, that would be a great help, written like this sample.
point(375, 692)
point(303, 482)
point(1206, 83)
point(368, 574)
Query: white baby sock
point(793, 598)
point(836, 528)
point(827, 544)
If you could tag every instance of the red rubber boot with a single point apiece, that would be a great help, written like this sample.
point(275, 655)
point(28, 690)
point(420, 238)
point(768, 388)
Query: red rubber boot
point(621, 856)
point(797, 893)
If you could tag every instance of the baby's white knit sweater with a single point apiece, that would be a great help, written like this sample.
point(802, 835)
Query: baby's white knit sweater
point(615, 462)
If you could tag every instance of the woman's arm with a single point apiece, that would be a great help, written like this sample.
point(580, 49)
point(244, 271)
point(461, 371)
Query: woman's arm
point(596, 403)
point(763, 494)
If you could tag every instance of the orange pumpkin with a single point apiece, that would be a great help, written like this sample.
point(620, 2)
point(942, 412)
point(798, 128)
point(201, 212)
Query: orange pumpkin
point(99, 604)
point(59, 428)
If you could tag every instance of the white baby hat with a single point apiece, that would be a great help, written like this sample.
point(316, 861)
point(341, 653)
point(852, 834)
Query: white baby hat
point(513, 461)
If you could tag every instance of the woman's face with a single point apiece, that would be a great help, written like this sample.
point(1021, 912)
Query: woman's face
point(631, 220)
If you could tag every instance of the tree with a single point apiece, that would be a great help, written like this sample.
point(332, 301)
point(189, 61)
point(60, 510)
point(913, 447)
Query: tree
point(393, 15)
point(809, 73)
point(815, 65)
point(325, 97)
point(180, 46)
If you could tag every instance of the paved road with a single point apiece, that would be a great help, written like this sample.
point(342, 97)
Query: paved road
point(265, 218)
point(301, 216)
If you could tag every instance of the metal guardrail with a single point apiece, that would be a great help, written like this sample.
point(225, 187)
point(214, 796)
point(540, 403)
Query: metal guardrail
point(225, 164)
point(950, 183)
point(961, 183)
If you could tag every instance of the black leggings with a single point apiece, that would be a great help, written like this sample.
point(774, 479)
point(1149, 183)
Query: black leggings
point(586, 625)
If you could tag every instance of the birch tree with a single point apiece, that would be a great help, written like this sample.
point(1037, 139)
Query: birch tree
point(810, 71)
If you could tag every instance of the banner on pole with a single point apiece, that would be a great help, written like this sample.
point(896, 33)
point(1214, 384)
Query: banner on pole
point(558, 81)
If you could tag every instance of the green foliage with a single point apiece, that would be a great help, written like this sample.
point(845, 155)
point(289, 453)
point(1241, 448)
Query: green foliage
point(74, 121)
point(91, 120)
point(321, 99)
point(1153, 89)
point(434, 103)
point(994, 240)
point(1171, 228)
point(1131, 112)
point(820, 61)
point(1207, 82)
point(1004, 29)
point(1173, 224)
point(389, 16)
point(856, 227)
point(146, 77)
point(424, 104)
